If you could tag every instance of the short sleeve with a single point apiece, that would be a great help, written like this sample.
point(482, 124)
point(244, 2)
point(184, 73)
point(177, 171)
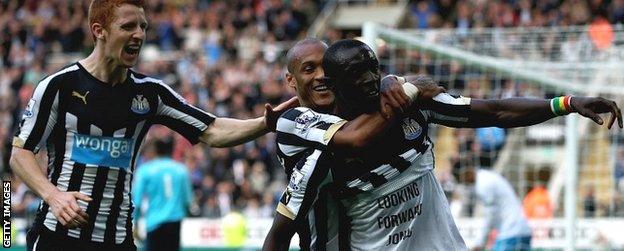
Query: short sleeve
point(304, 186)
point(300, 128)
point(40, 115)
point(447, 109)
point(174, 112)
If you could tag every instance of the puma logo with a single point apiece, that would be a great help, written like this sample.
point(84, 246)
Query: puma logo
point(82, 97)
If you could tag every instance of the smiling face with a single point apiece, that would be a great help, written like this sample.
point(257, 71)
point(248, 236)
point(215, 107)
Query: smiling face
point(362, 73)
point(352, 71)
point(124, 36)
point(306, 75)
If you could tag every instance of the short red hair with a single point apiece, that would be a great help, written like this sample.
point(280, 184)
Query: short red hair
point(103, 11)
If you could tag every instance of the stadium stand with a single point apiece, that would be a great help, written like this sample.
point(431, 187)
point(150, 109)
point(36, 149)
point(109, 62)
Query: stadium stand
point(226, 57)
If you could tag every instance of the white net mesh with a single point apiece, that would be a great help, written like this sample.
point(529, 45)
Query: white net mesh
point(525, 62)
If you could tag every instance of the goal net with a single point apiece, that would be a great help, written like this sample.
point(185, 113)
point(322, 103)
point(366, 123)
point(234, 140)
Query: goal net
point(526, 62)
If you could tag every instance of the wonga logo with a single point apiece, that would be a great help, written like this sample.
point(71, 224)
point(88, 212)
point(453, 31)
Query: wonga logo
point(102, 151)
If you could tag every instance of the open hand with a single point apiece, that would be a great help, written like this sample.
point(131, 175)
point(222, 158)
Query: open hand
point(271, 114)
point(590, 107)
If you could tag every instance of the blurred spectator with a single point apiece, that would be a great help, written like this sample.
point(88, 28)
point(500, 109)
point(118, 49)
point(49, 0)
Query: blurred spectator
point(490, 140)
point(537, 203)
point(223, 56)
point(211, 208)
point(227, 58)
point(465, 14)
point(423, 11)
point(589, 203)
point(24, 202)
point(619, 171)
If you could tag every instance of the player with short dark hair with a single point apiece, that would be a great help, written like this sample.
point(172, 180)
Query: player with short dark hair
point(307, 139)
point(396, 203)
point(92, 117)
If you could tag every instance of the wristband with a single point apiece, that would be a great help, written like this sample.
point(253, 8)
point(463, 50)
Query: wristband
point(561, 105)
point(410, 90)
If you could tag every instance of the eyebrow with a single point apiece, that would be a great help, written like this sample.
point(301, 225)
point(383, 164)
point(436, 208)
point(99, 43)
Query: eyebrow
point(133, 22)
point(306, 63)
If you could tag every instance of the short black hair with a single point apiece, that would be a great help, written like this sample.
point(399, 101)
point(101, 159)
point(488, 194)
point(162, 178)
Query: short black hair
point(293, 52)
point(163, 147)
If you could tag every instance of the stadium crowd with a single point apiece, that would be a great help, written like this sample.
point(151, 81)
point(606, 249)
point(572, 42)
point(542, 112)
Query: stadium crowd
point(226, 57)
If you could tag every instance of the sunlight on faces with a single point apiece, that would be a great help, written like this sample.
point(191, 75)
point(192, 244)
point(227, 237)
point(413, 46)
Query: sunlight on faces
point(123, 39)
point(307, 78)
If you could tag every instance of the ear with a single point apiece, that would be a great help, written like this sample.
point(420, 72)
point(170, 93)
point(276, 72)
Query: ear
point(98, 31)
point(291, 80)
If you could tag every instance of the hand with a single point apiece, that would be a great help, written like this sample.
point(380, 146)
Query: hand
point(271, 114)
point(427, 91)
point(427, 87)
point(591, 107)
point(393, 96)
point(65, 208)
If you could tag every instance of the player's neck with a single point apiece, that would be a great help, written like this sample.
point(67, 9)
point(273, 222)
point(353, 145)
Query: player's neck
point(104, 69)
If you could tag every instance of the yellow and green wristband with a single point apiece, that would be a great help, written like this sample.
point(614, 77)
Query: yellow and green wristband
point(561, 105)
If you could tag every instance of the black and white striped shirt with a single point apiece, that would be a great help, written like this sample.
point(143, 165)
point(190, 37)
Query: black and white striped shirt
point(303, 137)
point(393, 182)
point(402, 146)
point(93, 131)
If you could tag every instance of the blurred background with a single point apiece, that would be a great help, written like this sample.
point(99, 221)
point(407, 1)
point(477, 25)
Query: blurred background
point(227, 57)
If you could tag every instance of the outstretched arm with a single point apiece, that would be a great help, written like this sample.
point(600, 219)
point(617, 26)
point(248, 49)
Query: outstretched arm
point(516, 112)
point(227, 132)
point(513, 112)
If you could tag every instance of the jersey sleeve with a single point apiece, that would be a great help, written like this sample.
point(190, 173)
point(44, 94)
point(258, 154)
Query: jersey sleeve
point(301, 128)
point(304, 186)
point(174, 112)
point(39, 116)
point(449, 110)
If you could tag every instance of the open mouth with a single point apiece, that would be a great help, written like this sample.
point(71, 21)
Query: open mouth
point(132, 49)
point(320, 88)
